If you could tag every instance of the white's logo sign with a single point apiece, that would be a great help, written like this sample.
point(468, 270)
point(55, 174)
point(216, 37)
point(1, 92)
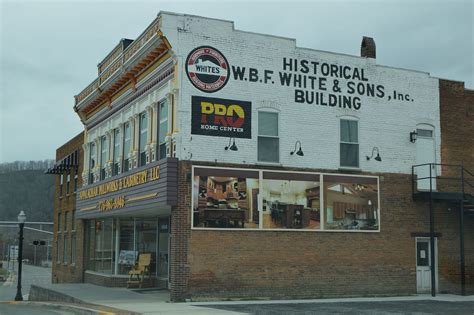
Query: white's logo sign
point(207, 69)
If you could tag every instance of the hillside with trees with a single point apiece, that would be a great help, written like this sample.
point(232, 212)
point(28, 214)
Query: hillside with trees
point(25, 186)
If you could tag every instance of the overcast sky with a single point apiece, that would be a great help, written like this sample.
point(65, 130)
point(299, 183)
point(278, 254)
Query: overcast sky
point(49, 50)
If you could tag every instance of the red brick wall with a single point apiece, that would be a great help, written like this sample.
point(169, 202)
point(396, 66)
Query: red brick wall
point(297, 264)
point(457, 147)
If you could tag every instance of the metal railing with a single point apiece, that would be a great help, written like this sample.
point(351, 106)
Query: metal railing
point(458, 179)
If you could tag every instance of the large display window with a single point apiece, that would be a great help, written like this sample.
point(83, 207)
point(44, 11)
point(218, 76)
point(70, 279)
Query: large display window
point(225, 198)
point(114, 244)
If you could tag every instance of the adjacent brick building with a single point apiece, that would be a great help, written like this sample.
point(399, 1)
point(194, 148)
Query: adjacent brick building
point(248, 167)
point(68, 235)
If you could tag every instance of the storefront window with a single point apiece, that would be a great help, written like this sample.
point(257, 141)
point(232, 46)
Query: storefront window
point(291, 201)
point(113, 245)
point(351, 202)
point(101, 245)
point(224, 198)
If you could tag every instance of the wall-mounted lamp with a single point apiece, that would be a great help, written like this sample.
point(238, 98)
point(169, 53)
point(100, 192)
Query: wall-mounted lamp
point(413, 135)
point(299, 152)
point(232, 147)
point(377, 158)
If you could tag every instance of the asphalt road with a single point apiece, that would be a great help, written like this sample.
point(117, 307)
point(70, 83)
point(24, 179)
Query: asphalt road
point(362, 308)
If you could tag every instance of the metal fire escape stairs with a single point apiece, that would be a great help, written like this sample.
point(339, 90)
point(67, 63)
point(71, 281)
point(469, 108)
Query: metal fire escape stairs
point(455, 186)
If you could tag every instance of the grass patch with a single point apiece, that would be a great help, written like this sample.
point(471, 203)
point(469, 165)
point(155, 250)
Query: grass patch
point(4, 273)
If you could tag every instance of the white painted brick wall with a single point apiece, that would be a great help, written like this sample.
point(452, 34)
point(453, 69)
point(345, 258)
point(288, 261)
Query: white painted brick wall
point(382, 123)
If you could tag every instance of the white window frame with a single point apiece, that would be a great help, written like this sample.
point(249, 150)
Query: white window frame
point(92, 157)
point(104, 152)
point(350, 118)
point(161, 121)
point(125, 158)
point(68, 181)
point(273, 137)
point(142, 129)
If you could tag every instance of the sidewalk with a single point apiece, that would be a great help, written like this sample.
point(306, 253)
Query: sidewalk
point(148, 302)
point(157, 302)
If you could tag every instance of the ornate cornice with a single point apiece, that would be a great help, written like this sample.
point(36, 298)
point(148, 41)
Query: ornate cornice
point(122, 67)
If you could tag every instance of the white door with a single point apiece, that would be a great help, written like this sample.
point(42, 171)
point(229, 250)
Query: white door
point(425, 153)
point(423, 264)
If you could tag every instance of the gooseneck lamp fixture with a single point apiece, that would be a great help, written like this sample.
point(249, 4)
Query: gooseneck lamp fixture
point(377, 158)
point(21, 223)
point(299, 152)
point(232, 147)
point(413, 136)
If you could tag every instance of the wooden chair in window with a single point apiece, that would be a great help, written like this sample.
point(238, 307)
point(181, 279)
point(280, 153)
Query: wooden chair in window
point(139, 270)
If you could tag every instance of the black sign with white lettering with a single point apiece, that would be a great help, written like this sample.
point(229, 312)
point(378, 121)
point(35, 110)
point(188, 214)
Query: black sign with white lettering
point(219, 117)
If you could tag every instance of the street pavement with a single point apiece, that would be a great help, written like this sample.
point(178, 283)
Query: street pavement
point(30, 275)
point(359, 308)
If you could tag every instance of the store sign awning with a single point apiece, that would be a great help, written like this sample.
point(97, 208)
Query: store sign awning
point(144, 190)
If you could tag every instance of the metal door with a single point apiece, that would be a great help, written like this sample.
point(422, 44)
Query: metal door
point(425, 153)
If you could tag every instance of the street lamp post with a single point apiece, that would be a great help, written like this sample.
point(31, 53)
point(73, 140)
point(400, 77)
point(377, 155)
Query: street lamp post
point(21, 221)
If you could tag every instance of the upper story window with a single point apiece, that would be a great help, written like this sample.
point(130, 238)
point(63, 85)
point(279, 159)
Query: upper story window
point(60, 227)
point(116, 153)
point(61, 182)
point(268, 139)
point(143, 137)
point(68, 181)
point(163, 128)
point(349, 146)
point(65, 221)
point(104, 150)
point(127, 140)
point(75, 181)
point(73, 220)
point(92, 160)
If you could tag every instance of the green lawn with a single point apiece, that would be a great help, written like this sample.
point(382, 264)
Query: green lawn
point(4, 273)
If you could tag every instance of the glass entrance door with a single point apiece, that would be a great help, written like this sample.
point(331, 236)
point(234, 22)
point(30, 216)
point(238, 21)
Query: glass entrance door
point(163, 247)
point(145, 230)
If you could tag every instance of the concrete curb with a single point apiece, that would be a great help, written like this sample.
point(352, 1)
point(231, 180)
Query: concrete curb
point(39, 295)
point(408, 298)
point(76, 309)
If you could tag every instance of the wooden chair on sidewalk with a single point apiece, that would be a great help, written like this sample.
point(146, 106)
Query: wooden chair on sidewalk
point(139, 270)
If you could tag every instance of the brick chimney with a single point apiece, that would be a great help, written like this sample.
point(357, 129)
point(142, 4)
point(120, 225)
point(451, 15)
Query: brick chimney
point(367, 48)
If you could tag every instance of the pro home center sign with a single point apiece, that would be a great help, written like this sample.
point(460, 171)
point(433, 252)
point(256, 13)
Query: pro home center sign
point(220, 117)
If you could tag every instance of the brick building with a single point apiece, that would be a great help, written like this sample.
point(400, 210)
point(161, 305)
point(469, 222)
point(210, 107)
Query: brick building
point(246, 166)
point(68, 236)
